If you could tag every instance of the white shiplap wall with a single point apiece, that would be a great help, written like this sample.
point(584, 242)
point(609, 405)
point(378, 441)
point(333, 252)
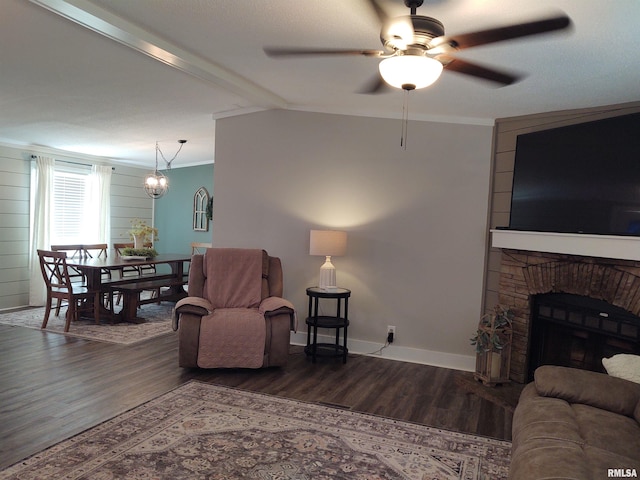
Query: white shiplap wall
point(128, 201)
point(14, 228)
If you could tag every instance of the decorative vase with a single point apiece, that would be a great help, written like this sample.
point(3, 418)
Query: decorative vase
point(138, 240)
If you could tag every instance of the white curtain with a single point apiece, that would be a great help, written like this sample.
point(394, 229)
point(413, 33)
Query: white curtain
point(99, 204)
point(42, 172)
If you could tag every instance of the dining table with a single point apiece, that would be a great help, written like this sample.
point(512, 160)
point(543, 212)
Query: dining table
point(105, 275)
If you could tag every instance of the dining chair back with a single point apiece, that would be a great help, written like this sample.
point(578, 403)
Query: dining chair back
point(75, 251)
point(72, 250)
point(95, 250)
point(148, 269)
point(133, 270)
point(129, 271)
point(198, 248)
point(53, 265)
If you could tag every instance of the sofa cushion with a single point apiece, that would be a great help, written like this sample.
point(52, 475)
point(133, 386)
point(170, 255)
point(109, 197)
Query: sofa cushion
point(601, 461)
point(538, 459)
point(589, 388)
point(575, 424)
point(544, 418)
point(608, 431)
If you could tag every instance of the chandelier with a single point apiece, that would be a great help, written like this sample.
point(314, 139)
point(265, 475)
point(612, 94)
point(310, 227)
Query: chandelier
point(155, 183)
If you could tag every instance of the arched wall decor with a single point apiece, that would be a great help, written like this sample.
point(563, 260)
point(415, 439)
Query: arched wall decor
point(200, 204)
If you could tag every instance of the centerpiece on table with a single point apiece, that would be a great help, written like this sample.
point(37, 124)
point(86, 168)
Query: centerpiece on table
point(142, 235)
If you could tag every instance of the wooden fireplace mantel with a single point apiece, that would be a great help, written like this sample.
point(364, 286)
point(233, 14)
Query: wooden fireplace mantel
point(586, 245)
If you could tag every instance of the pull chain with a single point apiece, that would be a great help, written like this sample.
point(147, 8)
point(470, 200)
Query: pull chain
point(405, 116)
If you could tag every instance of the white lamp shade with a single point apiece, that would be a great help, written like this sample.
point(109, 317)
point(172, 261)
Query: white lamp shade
point(327, 242)
point(416, 71)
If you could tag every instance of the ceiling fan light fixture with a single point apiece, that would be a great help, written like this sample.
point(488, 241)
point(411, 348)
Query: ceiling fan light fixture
point(410, 71)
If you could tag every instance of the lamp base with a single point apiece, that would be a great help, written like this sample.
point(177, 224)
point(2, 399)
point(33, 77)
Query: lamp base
point(327, 279)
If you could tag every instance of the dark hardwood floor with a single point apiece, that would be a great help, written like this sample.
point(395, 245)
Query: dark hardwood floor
point(53, 387)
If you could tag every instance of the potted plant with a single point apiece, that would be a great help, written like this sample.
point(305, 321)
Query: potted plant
point(209, 211)
point(141, 234)
point(493, 346)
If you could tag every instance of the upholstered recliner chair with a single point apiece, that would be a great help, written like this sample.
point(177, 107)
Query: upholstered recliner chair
point(234, 315)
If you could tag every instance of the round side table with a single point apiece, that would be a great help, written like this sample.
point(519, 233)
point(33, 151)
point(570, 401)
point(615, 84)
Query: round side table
point(337, 322)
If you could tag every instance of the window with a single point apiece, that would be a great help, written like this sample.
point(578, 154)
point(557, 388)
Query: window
point(200, 214)
point(69, 205)
point(80, 204)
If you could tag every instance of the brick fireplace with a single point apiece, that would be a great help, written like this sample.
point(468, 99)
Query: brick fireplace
point(524, 274)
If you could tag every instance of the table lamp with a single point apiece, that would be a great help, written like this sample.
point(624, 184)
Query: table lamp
point(328, 243)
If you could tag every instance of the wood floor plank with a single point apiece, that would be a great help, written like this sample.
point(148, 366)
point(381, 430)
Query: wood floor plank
point(53, 387)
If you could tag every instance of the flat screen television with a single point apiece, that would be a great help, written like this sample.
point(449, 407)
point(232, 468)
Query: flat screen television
point(582, 178)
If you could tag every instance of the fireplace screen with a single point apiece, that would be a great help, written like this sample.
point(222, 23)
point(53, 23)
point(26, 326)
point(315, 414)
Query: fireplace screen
point(576, 331)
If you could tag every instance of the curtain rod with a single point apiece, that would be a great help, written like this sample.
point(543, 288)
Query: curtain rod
point(72, 163)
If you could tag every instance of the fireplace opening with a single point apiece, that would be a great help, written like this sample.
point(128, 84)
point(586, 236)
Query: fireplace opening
point(576, 331)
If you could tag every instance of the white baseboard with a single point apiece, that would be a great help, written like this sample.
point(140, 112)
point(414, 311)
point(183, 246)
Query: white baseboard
point(466, 363)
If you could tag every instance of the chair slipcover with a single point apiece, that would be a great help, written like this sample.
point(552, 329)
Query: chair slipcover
point(235, 315)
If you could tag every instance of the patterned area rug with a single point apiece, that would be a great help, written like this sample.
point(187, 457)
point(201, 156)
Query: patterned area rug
point(158, 322)
point(202, 431)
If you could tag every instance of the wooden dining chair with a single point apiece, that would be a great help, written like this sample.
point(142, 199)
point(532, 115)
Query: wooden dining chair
point(198, 248)
point(99, 250)
point(60, 287)
point(72, 251)
point(133, 270)
point(95, 250)
point(76, 276)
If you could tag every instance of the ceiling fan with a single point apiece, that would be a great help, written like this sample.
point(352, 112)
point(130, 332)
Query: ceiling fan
point(416, 49)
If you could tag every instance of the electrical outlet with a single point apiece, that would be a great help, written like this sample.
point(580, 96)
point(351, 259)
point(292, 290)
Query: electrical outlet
point(391, 333)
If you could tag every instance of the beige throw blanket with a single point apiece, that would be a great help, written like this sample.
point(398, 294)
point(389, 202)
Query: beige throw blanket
point(232, 337)
point(234, 334)
point(233, 277)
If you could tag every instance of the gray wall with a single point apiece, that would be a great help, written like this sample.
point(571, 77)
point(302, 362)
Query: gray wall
point(416, 219)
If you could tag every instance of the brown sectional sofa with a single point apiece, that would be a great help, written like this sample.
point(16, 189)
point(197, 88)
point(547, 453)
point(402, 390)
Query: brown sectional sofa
point(576, 424)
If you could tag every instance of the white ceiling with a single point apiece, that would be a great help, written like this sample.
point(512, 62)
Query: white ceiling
point(184, 63)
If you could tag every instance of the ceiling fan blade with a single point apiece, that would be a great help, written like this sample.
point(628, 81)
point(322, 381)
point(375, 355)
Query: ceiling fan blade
point(292, 52)
point(478, 71)
point(499, 34)
point(375, 86)
point(381, 13)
